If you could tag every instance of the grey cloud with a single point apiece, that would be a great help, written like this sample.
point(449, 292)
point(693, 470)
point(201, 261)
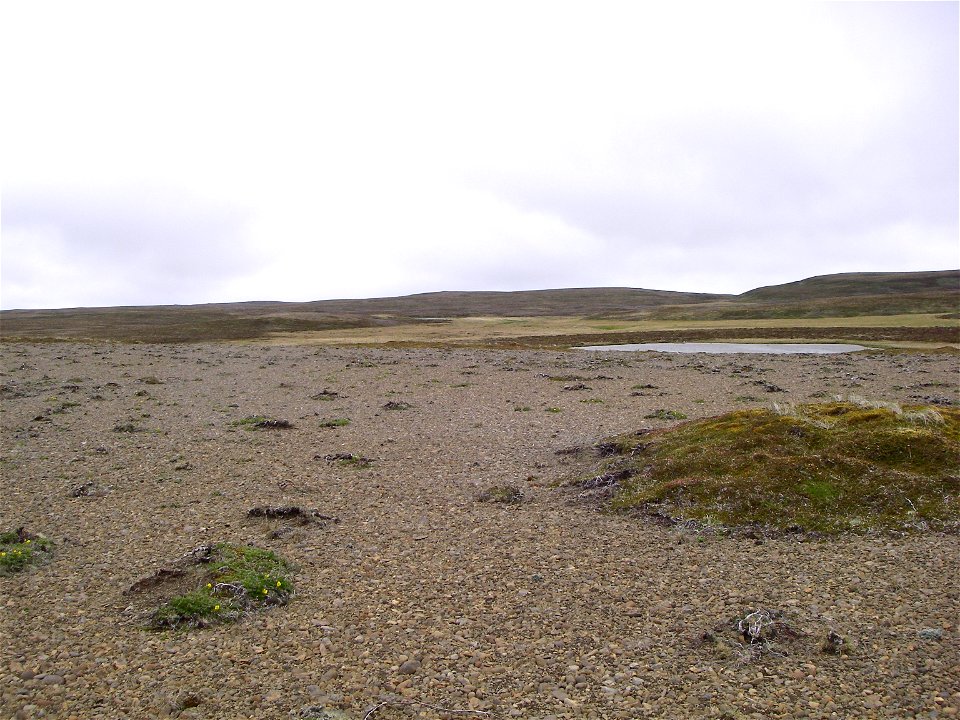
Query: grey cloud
point(754, 182)
point(160, 245)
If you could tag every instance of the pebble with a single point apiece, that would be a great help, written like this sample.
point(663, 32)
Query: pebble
point(409, 667)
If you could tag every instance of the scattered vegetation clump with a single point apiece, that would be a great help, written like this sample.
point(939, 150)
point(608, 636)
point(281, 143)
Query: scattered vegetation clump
point(663, 414)
point(347, 459)
point(127, 427)
point(505, 494)
point(19, 548)
point(326, 395)
point(260, 422)
point(397, 405)
point(277, 511)
point(334, 422)
point(234, 579)
point(757, 634)
point(826, 468)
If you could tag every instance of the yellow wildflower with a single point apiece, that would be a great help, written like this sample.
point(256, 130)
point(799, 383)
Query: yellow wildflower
point(278, 583)
point(216, 608)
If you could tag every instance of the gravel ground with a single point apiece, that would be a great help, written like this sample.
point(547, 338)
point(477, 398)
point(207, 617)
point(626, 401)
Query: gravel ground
point(421, 601)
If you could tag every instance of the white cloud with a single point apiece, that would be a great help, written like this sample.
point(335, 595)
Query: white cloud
point(374, 148)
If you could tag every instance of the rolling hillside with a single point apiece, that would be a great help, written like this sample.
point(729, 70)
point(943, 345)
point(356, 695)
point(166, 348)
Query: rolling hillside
point(844, 295)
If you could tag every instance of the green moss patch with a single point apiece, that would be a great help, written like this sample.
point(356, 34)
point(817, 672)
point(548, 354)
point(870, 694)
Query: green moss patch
point(335, 422)
point(215, 584)
point(20, 548)
point(828, 467)
point(505, 494)
point(663, 414)
point(261, 422)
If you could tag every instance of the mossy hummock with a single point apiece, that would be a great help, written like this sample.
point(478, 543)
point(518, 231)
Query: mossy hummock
point(829, 467)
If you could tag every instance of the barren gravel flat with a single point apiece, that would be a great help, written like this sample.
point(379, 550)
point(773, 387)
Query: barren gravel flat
point(421, 601)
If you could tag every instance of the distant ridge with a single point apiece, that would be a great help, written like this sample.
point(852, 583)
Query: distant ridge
point(518, 303)
point(854, 284)
point(846, 294)
point(839, 295)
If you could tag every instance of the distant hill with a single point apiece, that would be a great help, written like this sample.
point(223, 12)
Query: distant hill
point(848, 294)
point(841, 295)
point(520, 303)
point(856, 284)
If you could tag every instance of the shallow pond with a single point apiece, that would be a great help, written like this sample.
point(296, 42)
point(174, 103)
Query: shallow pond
point(706, 347)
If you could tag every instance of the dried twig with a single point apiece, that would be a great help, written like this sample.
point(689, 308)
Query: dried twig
point(751, 627)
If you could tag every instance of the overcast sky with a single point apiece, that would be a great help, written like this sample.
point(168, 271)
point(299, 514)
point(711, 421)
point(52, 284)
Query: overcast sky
point(187, 152)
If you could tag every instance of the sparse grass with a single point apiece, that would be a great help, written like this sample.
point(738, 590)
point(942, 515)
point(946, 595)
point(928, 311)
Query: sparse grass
point(553, 410)
point(19, 549)
point(261, 422)
point(663, 414)
point(348, 460)
point(240, 578)
point(334, 422)
point(504, 494)
point(197, 323)
point(828, 467)
point(913, 329)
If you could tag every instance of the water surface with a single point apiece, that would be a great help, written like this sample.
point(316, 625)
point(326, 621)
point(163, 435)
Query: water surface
point(707, 347)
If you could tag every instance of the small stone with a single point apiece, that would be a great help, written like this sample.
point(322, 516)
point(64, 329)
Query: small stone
point(27, 675)
point(930, 634)
point(53, 680)
point(410, 667)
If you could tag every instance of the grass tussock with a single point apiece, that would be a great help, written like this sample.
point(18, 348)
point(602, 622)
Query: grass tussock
point(19, 548)
point(504, 494)
point(261, 422)
point(828, 467)
point(233, 579)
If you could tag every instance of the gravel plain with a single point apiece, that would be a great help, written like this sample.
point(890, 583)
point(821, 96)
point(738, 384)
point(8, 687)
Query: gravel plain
point(420, 600)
